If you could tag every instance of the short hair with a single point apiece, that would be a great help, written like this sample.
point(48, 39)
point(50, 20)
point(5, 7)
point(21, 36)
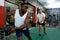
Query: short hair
point(23, 4)
point(40, 9)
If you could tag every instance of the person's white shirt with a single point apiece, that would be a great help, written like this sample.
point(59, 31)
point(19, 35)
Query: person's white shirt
point(19, 20)
point(41, 17)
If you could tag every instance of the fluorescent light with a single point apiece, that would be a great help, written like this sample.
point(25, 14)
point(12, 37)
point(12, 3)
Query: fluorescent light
point(50, 1)
point(54, 5)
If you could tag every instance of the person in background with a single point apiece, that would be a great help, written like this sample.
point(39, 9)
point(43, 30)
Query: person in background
point(12, 18)
point(41, 21)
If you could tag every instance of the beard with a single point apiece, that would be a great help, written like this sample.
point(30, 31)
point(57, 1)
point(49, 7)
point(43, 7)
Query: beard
point(23, 11)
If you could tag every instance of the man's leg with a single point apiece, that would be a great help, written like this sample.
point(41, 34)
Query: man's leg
point(20, 38)
point(39, 30)
point(19, 34)
point(29, 37)
point(27, 34)
point(44, 27)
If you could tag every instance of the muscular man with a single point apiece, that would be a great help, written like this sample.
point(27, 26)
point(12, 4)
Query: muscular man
point(22, 19)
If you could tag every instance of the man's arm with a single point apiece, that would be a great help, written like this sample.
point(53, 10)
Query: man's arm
point(37, 19)
point(26, 22)
point(44, 17)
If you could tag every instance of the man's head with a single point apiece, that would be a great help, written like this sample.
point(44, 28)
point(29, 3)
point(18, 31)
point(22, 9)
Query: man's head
point(24, 7)
point(40, 10)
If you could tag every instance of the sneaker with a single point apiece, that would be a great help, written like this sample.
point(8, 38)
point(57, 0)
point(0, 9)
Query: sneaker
point(39, 34)
point(45, 33)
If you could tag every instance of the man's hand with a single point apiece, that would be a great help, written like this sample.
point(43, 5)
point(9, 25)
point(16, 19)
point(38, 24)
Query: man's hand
point(12, 30)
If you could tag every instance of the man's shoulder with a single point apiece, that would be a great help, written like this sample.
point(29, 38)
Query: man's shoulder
point(43, 13)
point(16, 9)
point(28, 14)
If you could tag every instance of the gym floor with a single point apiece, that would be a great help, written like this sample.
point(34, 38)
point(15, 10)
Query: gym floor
point(52, 34)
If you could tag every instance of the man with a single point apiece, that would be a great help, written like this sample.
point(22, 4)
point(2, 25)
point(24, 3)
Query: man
point(41, 21)
point(22, 19)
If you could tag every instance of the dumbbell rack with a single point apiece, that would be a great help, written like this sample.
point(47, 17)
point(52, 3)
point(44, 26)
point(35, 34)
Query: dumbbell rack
point(2, 34)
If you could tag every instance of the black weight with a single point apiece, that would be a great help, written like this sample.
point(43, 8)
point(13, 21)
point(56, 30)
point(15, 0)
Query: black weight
point(7, 29)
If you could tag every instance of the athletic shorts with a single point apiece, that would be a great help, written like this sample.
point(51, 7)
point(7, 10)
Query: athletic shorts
point(25, 32)
point(41, 23)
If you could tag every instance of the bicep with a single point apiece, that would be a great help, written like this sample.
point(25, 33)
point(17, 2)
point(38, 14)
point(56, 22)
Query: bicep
point(27, 20)
point(44, 16)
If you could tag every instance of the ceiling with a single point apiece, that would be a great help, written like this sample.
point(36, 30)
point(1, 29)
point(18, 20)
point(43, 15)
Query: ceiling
point(45, 3)
point(50, 3)
point(15, 1)
point(13, 7)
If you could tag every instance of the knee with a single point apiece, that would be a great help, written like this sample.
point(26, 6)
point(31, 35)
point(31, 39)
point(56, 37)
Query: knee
point(20, 38)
